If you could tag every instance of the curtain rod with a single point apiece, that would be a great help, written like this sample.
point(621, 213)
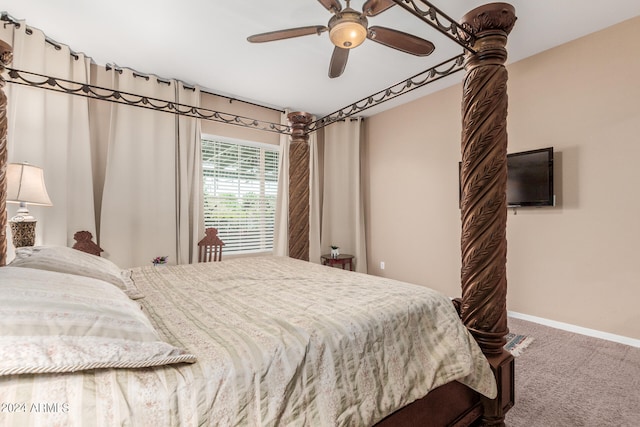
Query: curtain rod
point(58, 46)
point(191, 87)
point(13, 21)
point(231, 99)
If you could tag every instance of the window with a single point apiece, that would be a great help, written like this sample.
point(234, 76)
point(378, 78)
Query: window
point(240, 189)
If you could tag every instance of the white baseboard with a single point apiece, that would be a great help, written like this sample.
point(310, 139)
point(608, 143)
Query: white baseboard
point(577, 329)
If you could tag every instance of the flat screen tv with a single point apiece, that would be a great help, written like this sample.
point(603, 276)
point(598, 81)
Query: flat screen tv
point(529, 178)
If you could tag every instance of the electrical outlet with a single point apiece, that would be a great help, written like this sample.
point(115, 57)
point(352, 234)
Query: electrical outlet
point(381, 265)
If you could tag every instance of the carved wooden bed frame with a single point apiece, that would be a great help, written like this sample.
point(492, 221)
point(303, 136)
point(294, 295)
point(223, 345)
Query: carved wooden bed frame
point(482, 306)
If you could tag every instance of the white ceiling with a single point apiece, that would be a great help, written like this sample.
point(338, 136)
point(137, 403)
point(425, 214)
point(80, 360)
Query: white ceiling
point(204, 42)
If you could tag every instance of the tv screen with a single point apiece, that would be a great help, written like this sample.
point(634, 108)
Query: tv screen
point(529, 178)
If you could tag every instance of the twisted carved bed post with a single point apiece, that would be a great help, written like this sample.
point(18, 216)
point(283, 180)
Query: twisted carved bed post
point(483, 205)
point(299, 186)
point(6, 55)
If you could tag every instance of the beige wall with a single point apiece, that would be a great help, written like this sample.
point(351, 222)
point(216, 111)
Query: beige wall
point(575, 263)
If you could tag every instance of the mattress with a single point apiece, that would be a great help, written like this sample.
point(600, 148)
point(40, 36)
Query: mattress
point(279, 342)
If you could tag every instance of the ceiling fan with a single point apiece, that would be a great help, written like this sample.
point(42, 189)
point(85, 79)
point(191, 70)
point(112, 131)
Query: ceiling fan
point(348, 28)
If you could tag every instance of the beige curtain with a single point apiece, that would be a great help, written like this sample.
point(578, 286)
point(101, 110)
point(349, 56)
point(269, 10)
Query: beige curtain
point(51, 130)
point(189, 193)
point(151, 177)
point(342, 205)
point(281, 226)
point(315, 203)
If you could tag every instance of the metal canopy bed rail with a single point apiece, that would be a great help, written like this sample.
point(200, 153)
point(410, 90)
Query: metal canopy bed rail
point(482, 307)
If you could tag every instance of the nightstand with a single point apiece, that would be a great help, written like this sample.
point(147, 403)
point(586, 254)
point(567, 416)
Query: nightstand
point(342, 260)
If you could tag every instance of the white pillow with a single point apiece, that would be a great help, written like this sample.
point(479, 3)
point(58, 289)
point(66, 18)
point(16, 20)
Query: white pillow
point(73, 261)
point(54, 322)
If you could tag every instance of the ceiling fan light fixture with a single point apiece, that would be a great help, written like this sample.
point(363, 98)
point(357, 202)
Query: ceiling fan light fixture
point(348, 29)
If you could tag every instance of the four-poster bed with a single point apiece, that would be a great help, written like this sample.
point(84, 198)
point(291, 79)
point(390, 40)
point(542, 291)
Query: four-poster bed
point(482, 306)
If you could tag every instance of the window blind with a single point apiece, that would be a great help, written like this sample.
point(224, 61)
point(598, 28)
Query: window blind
point(240, 190)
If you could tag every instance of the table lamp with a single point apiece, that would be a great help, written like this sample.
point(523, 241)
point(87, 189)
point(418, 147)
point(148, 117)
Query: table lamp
point(25, 185)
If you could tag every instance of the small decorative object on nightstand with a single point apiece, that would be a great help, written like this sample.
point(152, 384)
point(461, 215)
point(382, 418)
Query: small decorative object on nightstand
point(160, 260)
point(335, 251)
point(342, 260)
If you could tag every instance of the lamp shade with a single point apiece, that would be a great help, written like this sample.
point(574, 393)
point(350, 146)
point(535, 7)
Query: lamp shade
point(25, 184)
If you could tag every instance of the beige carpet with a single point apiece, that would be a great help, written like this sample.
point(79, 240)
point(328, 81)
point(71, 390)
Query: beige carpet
point(569, 380)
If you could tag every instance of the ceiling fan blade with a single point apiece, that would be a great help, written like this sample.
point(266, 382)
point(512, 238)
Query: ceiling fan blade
point(374, 7)
point(332, 6)
point(399, 40)
point(338, 62)
point(287, 34)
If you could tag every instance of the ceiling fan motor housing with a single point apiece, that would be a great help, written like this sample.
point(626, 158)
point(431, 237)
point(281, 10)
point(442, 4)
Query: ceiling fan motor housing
point(348, 28)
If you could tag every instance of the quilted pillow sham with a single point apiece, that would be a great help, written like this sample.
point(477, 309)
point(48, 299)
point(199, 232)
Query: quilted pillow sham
point(73, 261)
point(53, 322)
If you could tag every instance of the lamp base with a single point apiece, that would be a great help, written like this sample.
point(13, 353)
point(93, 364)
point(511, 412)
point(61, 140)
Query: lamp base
point(23, 233)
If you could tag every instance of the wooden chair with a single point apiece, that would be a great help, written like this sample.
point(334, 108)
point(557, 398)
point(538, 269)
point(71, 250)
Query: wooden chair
point(210, 247)
point(84, 242)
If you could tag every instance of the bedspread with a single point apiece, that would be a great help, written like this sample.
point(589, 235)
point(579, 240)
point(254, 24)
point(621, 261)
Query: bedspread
point(280, 342)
